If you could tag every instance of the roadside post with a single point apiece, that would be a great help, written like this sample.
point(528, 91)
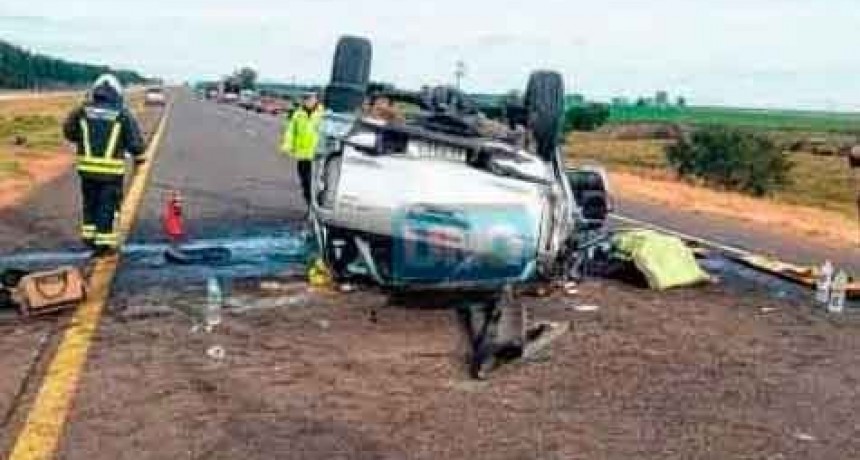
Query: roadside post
point(854, 171)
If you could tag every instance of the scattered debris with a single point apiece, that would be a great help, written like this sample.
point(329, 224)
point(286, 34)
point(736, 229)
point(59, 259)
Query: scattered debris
point(50, 291)
point(664, 260)
point(540, 337)
point(282, 286)
point(823, 282)
point(133, 312)
point(836, 302)
point(216, 352)
point(323, 324)
point(346, 287)
point(318, 274)
point(469, 386)
point(805, 437)
point(214, 303)
point(197, 255)
point(242, 304)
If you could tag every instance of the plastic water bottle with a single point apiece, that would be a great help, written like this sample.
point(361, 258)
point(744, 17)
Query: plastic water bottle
point(836, 304)
point(214, 301)
point(822, 286)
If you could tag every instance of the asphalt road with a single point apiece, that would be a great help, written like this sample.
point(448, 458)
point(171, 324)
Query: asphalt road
point(744, 235)
point(225, 164)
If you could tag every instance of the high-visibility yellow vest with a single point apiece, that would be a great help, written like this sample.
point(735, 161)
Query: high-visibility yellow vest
point(106, 163)
point(301, 133)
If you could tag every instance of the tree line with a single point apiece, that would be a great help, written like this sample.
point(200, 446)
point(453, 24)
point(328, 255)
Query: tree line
point(22, 69)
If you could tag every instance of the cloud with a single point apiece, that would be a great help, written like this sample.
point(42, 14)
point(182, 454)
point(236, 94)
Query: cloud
point(767, 52)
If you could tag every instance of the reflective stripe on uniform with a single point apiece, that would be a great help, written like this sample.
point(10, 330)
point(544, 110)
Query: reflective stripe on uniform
point(105, 164)
point(88, 231)
point(107, 239)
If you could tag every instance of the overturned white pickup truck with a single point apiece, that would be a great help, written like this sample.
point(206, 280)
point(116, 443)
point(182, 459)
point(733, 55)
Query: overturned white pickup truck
point(442, 199)
point(445, 199)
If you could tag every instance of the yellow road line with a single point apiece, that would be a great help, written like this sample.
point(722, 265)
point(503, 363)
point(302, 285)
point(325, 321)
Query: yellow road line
point(40, 436)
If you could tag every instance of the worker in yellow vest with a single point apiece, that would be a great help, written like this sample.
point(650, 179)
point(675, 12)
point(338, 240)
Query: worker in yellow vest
point(104, 130)
point(300, 139)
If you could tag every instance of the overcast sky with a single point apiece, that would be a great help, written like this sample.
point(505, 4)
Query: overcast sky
point(790, 53)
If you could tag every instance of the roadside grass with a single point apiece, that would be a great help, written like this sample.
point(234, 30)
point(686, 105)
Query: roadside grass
point(37, 131)
point(9, 167)
point(39, 120)
point(30, 132)
point(822, 182)
point(32, 148)
point(634, 154)
point(56, 106)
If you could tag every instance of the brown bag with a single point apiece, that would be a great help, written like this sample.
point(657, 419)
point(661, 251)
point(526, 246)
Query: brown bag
point(45, 292)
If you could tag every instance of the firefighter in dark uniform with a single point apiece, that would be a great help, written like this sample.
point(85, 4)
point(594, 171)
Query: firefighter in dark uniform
point(104, 131)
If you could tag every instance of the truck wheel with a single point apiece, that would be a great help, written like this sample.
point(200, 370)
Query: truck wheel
point(544, 102)
point(350, 74)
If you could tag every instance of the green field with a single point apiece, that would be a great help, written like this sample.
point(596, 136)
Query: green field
point(794, 120)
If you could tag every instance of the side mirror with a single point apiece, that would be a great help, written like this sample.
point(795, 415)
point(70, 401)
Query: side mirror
point(591, 192)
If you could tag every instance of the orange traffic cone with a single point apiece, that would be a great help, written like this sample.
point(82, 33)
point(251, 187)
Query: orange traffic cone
point(172, 217)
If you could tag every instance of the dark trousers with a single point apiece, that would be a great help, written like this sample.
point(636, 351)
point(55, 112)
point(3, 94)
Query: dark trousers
point(304, 169)
point(101, 200)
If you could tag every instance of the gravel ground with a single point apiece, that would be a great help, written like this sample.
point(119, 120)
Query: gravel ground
point(697, 373)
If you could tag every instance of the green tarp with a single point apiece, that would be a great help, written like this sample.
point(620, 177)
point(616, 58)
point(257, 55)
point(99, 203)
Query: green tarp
point(665, 260)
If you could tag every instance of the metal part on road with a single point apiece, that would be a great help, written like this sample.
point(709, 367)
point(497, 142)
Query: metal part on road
point(43, 428)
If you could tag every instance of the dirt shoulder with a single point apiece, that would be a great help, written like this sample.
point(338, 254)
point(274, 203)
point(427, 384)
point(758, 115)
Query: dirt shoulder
point(702, 373)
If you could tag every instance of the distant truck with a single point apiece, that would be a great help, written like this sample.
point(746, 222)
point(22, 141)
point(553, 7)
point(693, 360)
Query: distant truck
point(210, 92)
point(272, 105)
point(228, 92)
point(154, 96)
point(247, 99)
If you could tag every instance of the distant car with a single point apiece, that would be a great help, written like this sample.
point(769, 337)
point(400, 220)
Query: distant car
point(155, 96)
point(228, 98)
point(247, 99)
point(270, 105)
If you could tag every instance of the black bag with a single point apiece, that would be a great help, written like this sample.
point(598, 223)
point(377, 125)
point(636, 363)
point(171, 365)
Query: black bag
point(10, 277)
point(6, 300)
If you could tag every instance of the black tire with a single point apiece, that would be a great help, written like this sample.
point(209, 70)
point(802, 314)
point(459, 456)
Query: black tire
point(544, 101)
point(350, 74)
